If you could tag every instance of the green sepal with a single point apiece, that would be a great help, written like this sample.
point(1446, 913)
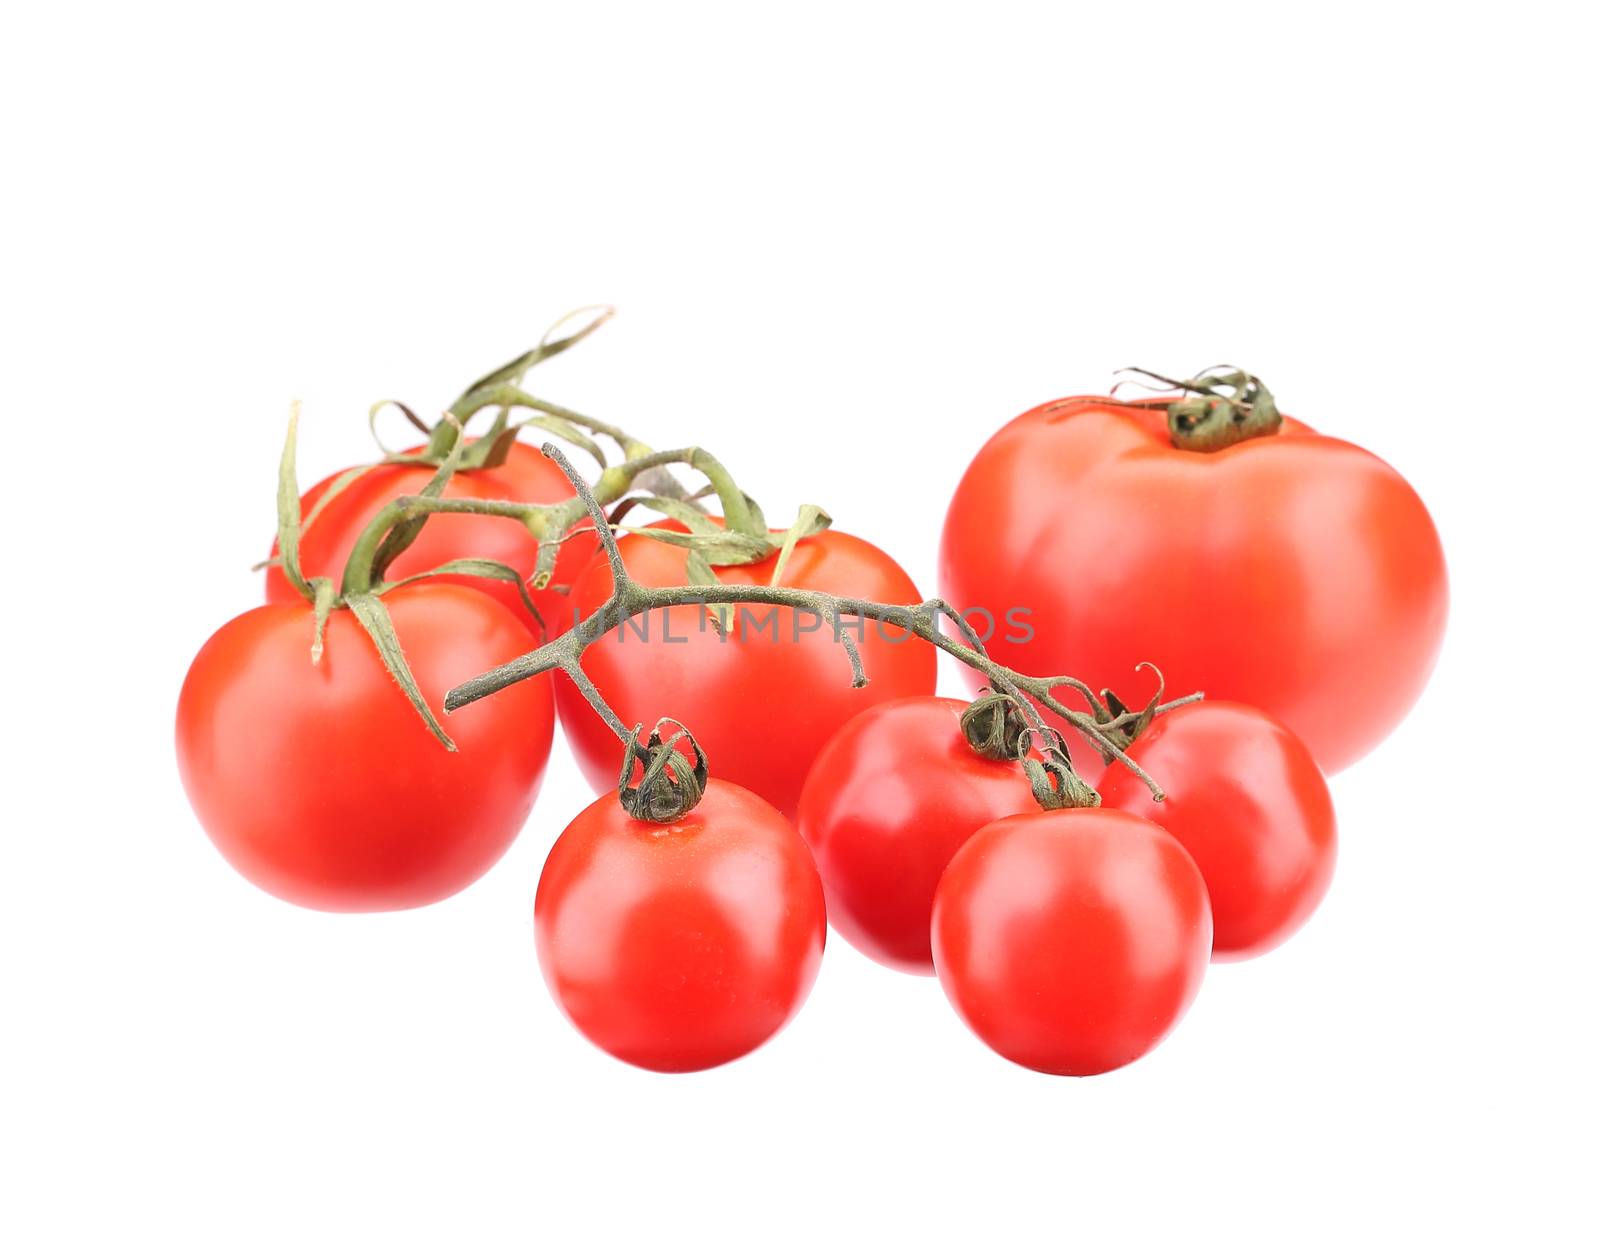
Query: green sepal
point(810, 520)
point(566, 431)
point(710, 544)
point(681, 511)
point(699, 572)
point(721, 547)
point(324, 594)
point(471, 566)
point(289, 508)
point(757, 517)
point(492, 447)
point(514, 370)
point(377, 408)
point(403, 534)
point(660, 481)
point(374, 618)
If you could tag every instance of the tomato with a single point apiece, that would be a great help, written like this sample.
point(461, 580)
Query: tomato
point(1071, 941)
point(1294, 571)
point(680, 946)
point(1246, 799)
point(527, 475)
point(886, 805)
point(765, 698)
point(320, 783)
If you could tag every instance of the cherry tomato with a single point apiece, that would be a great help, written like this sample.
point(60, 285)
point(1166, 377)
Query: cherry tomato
point(680, 946)
point(765, 698)
point(1295, 572)
point(1071, 941)
point(526, 475)
point(321, 784)
point(1246, 799)
point(886, 805)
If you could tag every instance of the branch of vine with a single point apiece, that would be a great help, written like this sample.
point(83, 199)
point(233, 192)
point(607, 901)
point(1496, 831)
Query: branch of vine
point(629, 599)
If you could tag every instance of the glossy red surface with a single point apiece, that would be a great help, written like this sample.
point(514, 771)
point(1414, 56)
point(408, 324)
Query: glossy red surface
point(1295, 572)
point(886, 805)
point(680, 946)
point(1246, 799)
point(322, 785)
point(761, 701)
point(1071, 941)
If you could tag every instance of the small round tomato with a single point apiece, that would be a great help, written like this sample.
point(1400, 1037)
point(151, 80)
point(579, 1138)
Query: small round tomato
point(680, 946)
point(320, 783)
point(763, 698)
point(886, 805)
point(1292, 571)
point(1246, 799)
point(1071, 941)
point(526, 476)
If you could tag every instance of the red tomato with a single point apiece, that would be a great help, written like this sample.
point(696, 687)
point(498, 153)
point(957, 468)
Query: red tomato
point(1294, 572)
point(762, 701)
point(680, 946)
point(888, 802)
point(1071, 941)
point(322, 785)
point(1246, 799)
point(527, 476)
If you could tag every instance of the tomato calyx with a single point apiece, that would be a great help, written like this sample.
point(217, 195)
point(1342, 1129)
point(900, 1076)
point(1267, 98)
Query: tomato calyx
point(1055, 784)
point(669, 784)
point(1004, 726)
point(995, 726)
point(1225, 406)
point(1124, 724)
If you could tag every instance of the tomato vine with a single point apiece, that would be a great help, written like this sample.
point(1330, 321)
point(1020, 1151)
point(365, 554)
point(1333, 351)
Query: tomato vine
point(1054, 781)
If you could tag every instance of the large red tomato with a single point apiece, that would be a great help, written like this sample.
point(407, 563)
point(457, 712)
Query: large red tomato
point(526, 475)
point(1245, 798)
point(1071, 941)
point(321, 784)
point(887, 804)
point(1295, 572)
point(683, 945)
point(762, 700)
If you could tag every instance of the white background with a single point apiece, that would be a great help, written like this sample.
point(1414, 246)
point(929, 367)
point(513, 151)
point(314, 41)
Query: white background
point(847, 243)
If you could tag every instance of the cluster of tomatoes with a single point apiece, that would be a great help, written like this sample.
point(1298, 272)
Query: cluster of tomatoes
point(1294, 579)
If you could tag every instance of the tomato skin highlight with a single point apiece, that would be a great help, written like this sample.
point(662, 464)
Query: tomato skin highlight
point(887, 803)
point(761, 702)
point(320, 783)
point(1071, 941)
point(1295, 572)
point(1246, 799)
point(678, 947)
point(526, 476)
